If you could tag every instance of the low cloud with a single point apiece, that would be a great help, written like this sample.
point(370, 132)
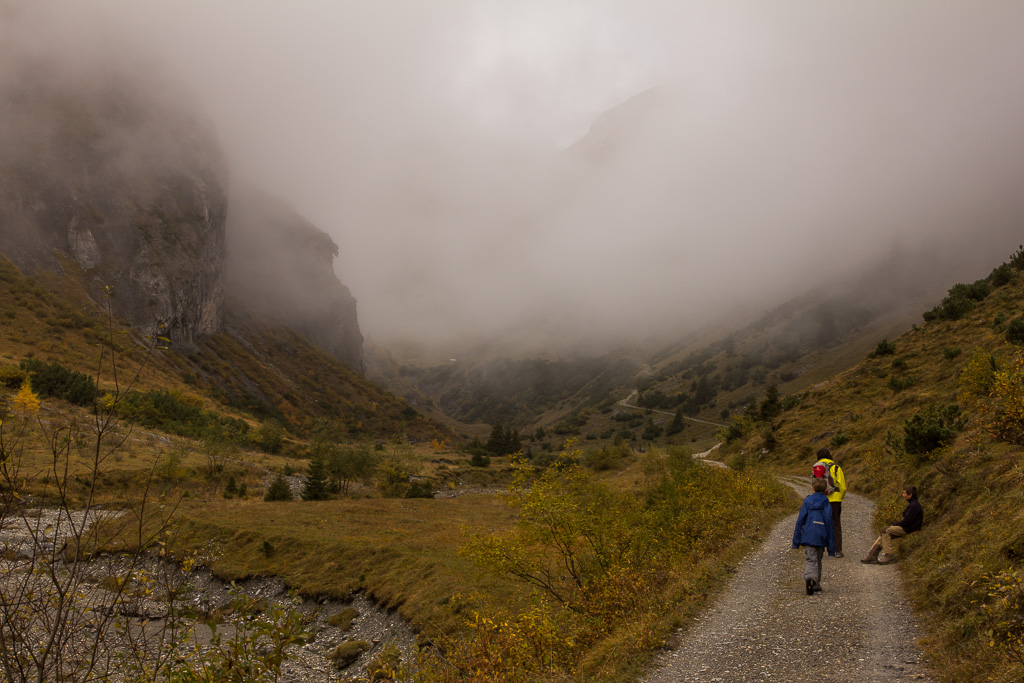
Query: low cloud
point(738, 152)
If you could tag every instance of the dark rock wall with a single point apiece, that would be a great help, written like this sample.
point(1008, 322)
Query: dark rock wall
point(280, 266)
point(115, 173)
point(122, 182)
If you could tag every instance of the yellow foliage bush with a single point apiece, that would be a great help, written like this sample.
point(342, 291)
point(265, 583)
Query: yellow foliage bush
point(1006, 611)
point(600, 559)
point(26, 401)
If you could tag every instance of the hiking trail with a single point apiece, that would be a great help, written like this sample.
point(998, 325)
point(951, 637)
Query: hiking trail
point(764, 627)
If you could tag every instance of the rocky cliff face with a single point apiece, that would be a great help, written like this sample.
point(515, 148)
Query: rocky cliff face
point(98, 171)
point(280, 266)
point(125, 184)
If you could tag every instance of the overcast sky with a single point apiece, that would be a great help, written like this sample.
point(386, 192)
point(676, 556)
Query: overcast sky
point(783, 142)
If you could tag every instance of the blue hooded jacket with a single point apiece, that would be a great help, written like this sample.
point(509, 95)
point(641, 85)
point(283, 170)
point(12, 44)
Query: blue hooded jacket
point(814, 523)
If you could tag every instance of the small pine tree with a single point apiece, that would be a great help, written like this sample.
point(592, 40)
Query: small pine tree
point(514, 444)
point(316, 487)
point(677, 423)
point(278, 489)
point(497, 443)
point(770, 407)
point(231, 488)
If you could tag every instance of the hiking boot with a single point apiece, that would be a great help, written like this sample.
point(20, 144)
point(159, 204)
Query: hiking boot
point(872, 556)
point(810, 586)
point(817, 587)
point(839, 553)
point(886, 559)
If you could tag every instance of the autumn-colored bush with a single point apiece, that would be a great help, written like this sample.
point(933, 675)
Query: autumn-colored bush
point(1005, 609)
point(599, 559)
point(1004, 411)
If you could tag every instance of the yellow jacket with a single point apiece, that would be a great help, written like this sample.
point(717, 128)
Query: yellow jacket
point(839, 478)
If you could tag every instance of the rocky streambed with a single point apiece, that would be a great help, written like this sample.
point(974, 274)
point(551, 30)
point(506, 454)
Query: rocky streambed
point(30, 544)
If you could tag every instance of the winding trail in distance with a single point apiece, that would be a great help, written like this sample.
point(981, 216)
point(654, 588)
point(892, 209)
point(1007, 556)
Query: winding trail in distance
point(764, 627)
point(625, 403)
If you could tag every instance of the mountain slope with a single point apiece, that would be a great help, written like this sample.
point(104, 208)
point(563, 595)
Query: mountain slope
point(934, 407)
point(255, 367)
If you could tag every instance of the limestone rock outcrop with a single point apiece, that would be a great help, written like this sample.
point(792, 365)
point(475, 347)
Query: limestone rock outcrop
point(280, 266)
point(115, 179)
point(125, 184)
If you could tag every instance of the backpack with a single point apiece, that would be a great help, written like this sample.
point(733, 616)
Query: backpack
point(823, 470)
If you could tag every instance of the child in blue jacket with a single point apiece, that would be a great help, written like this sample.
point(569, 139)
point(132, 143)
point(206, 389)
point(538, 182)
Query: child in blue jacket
point(814, 532)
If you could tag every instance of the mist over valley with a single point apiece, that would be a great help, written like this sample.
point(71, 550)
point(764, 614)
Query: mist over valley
point(553, 177)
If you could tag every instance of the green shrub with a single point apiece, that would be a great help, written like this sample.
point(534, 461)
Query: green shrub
point(954, 308)
point(607, 458)
point(931, 427)
point(1001, 275)
point(735, 430)
point(960, 300)
point(900, 382)
point(839, 439)
point(11, 377)
point(976, 291)
point(167, 410)
point(884, 348)
point(651, 431)
point(1015, 331)
point(480, 460)
point(1017, 260)
point(419, 489)
point(278, 490)
point(59, 382)
point(949, 353)
point(270, 437)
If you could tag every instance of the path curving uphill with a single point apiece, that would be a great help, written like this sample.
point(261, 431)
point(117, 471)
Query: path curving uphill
point(765, 627)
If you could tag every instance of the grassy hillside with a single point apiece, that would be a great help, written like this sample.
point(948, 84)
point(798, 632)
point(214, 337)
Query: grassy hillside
point(940, 407)
point(257, 371)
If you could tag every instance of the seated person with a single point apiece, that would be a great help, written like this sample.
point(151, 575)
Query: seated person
point(913, 517)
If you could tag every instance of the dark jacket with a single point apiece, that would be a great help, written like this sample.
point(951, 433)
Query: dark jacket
point(814, 523)
point(913, 516)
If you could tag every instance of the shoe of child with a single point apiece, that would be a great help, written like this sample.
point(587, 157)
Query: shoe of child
point(886, 559)
point(810, 586)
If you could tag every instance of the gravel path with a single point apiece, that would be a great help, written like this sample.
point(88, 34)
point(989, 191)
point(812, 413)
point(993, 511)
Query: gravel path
point(766, 628)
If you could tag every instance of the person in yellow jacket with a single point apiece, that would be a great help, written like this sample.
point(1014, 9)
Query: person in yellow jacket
point(827, 468)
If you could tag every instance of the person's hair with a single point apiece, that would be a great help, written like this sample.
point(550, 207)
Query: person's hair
point(911, 489)
point(819, 485)
point(824, 453)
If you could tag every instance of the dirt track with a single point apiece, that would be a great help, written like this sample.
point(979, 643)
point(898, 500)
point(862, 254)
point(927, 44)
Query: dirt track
point(765, 627)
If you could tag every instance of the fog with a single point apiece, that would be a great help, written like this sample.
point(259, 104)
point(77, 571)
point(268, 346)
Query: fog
point(560, 171)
